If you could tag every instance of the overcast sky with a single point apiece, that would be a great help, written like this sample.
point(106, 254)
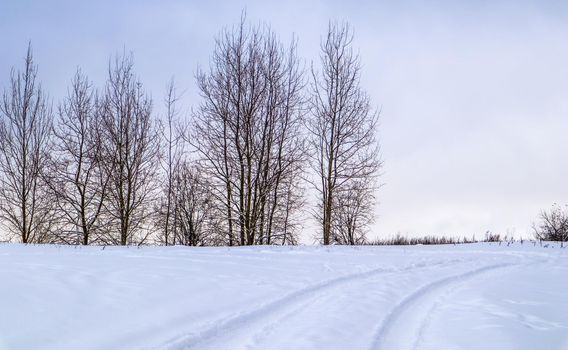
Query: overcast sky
point(474, 94)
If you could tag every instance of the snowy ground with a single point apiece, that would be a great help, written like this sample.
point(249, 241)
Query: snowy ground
point(481, 296)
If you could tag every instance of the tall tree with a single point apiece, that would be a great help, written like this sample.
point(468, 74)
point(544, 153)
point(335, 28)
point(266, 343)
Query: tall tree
point(129, 146)
point(171, 139)
point(76, 176)
point(247, 133)
point(25, 126)
point(343, 128)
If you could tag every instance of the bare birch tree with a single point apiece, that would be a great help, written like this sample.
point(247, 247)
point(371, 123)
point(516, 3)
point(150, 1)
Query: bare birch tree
point(25, 126)
point(130, 147)
point(76, 177)
point(171, 138)
point(343, 127)
point(247, 133)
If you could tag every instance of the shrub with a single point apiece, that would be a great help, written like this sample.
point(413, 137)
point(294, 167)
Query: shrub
point(553, 225)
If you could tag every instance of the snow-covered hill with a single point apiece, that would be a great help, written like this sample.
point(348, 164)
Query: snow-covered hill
point(480, 296)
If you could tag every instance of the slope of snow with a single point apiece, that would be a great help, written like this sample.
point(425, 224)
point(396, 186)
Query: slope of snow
point(480, 296)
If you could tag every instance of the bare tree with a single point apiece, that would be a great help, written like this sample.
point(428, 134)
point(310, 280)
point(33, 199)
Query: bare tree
point(354, 213)
point(171, 138)
point(25, 127)
point(129, 146)
point(553, 225)
point(194, 222)
point(345, 151)
point(75, 176)
point(247, 132)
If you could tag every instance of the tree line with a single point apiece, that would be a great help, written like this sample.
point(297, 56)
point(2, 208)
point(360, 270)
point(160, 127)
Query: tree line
point(101, 167)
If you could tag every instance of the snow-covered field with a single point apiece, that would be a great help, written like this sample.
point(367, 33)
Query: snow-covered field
point(480, 296)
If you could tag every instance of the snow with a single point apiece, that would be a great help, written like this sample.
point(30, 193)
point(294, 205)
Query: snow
point(477, 296)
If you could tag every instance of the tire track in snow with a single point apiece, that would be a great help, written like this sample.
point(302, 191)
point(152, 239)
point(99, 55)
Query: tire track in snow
point(238, 321)
point(264, 333)
point(393, 332)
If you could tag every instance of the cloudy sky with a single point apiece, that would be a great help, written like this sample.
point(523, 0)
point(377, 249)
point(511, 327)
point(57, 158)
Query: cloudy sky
point(474, 94)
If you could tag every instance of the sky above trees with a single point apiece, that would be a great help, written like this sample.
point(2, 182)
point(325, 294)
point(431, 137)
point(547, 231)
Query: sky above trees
point(473, 95)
